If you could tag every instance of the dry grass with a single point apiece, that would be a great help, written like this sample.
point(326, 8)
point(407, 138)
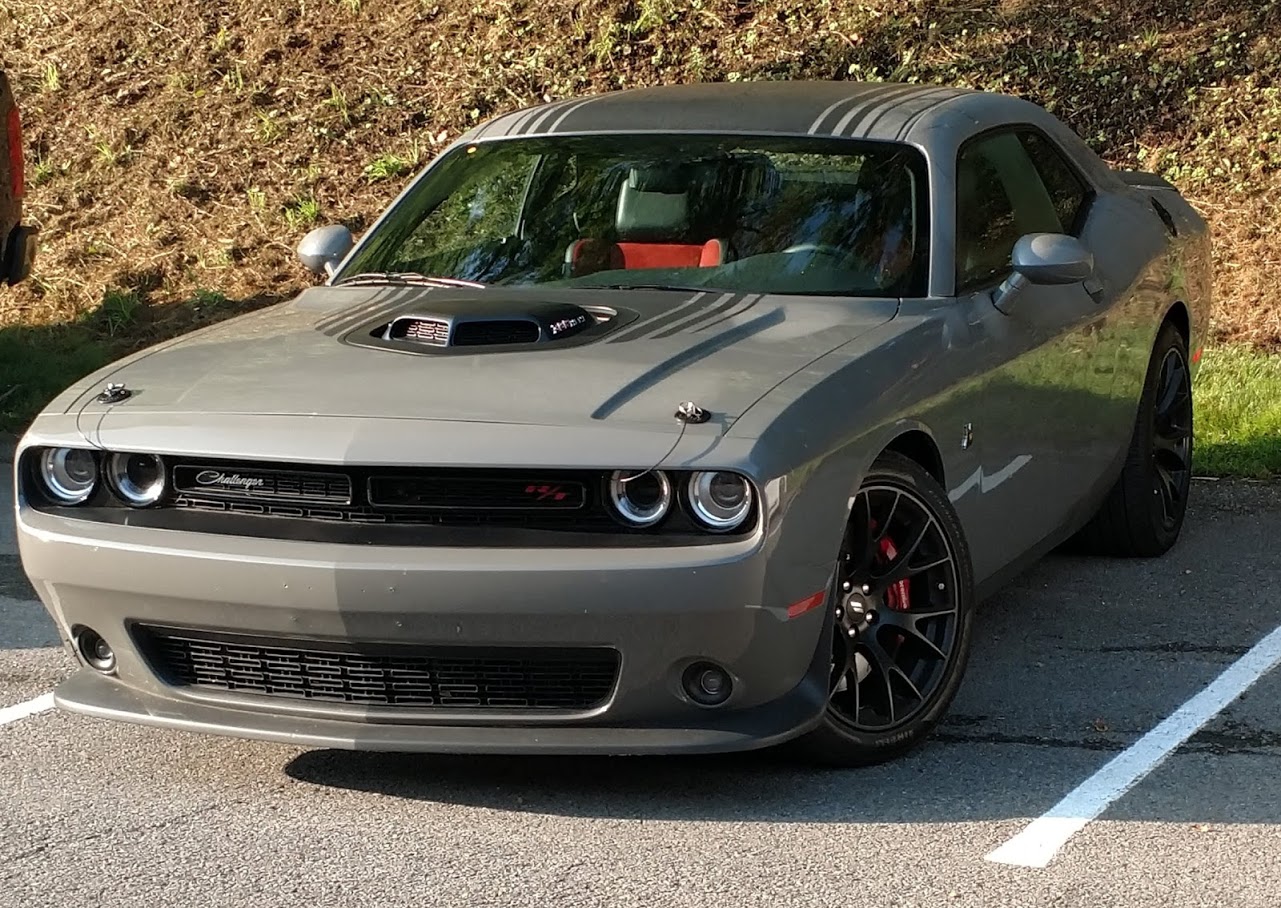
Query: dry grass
point(179, 147)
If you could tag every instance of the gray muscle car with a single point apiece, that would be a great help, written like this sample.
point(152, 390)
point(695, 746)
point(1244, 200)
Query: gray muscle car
point(680, 419)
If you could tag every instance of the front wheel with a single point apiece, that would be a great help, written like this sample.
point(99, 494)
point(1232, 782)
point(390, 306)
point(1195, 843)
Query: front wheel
point(903, 599)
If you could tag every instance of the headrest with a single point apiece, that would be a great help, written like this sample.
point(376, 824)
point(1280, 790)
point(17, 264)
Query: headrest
point(653, 204)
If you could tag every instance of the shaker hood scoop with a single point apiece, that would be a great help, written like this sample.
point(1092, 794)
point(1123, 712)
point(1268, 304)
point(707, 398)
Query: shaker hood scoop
point(383, 353)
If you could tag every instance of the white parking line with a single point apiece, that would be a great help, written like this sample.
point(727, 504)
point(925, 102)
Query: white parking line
point(1037, 845)
point(30, 708)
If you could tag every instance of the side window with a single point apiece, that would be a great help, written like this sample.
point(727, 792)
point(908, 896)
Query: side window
point(1069, 193)
point(1000, 197)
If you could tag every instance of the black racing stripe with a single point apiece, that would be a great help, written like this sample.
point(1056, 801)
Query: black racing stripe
point(854, 98)
point(937, 99)
point(870, 110)
point(555, 122)
point(645, 326)
point(750, 304)
point(686, 358)
point(371, 312)
point(545, 114)
point(518, 119)
point(686, 324)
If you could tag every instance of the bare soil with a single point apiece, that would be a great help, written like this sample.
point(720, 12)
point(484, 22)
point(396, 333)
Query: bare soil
point(178, 151)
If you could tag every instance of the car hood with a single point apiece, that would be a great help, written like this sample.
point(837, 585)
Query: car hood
point(316, 356)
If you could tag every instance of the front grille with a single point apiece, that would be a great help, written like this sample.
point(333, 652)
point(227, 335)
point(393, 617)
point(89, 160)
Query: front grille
point(488, 494)
point(431, 497)
point(524, 678)
point(487, 333)
point(254, 484)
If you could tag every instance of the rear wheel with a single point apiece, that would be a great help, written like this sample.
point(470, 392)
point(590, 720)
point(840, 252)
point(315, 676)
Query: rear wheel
point(1144, 511)
point(903, 601)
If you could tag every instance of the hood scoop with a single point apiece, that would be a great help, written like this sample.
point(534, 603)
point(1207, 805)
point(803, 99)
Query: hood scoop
point(541, 323)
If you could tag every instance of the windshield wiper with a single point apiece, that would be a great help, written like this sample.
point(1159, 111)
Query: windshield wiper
point(644, 287)
point(409, 277)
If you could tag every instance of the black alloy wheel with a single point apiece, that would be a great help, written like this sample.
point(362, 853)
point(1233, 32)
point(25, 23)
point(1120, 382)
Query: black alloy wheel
point(903, 601)
point(1172, 437)
point(1143, 513)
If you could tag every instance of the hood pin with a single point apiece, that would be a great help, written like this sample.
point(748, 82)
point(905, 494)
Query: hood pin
point(114, 393)
point(690, 412)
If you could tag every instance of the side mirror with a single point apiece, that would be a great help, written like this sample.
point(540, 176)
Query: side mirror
point(323, 248)
point(1052, 258)
point(1044, 258)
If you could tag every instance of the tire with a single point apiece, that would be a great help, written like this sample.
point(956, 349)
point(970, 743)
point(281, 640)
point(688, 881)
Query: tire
point(1144, 511)
point(876, 712)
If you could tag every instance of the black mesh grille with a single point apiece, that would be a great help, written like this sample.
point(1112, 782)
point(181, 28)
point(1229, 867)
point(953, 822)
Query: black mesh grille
point(507, 331)
point(443, 677)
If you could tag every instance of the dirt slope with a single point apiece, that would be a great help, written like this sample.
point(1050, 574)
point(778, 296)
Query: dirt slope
point(178, 151)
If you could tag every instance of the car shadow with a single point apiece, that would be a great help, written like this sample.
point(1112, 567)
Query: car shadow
point(1072, 663)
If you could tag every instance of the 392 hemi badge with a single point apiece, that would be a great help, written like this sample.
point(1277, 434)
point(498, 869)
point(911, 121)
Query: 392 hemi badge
point(560, 326)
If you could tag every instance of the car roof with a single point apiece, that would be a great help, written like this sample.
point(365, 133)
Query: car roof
point(883, 111)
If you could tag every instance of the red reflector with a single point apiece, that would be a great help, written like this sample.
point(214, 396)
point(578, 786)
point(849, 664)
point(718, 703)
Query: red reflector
point(1196, 357)
point(807, 604)
point(14, 130)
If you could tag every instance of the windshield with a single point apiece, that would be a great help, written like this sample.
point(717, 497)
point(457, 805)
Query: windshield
point(781, 215)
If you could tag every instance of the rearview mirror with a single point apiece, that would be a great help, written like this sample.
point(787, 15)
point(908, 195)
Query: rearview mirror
point(323, 248)
point(1052, 258)
point(1044, 258)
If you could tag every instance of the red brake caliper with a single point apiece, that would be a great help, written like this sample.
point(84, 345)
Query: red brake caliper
point(898, 596)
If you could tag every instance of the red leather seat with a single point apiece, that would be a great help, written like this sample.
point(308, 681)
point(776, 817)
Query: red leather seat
point(652, 227)
point(589, 255)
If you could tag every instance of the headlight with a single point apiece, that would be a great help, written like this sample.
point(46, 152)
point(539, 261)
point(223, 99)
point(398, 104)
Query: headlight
point(641, 499)
point(720, 501)
point(69, 475)
point(139, 479)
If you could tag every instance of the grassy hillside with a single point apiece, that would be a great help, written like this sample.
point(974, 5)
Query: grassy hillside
point(179, 151)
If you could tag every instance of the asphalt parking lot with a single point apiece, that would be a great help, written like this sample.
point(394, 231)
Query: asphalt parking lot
point(1074, 663)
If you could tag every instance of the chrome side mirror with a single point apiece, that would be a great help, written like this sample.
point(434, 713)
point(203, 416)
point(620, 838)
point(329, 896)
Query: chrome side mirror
point(323, 248)
point(1044, 258)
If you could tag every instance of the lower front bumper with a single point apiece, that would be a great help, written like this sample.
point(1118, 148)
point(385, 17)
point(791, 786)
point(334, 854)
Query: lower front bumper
point(91, 694)
point(660, 609)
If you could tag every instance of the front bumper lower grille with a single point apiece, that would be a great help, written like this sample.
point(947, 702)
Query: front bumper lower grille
point(477, 678)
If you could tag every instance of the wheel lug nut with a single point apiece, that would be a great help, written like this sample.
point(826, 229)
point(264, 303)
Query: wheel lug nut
point(840, 613)
point(866, 589)
point(847, 586)
point(853, 632)
point(942, 586)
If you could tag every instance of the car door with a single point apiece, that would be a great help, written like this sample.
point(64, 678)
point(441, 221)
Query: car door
point(1046, 414)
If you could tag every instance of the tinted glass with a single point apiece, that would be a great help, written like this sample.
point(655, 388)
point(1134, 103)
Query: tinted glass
point(1000, 197)
point(1065, 187)
point(986, 230)
point(744, 214)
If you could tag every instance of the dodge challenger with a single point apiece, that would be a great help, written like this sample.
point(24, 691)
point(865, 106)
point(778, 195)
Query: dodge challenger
point(682, 419)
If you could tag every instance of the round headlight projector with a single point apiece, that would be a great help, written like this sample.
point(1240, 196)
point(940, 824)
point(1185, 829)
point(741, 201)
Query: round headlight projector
point(640, 499)
point(720, 501)
point(69, 475)
point(139, 479)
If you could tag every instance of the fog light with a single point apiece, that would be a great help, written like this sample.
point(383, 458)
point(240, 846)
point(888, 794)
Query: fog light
point(96, 651)
point(707, 684)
